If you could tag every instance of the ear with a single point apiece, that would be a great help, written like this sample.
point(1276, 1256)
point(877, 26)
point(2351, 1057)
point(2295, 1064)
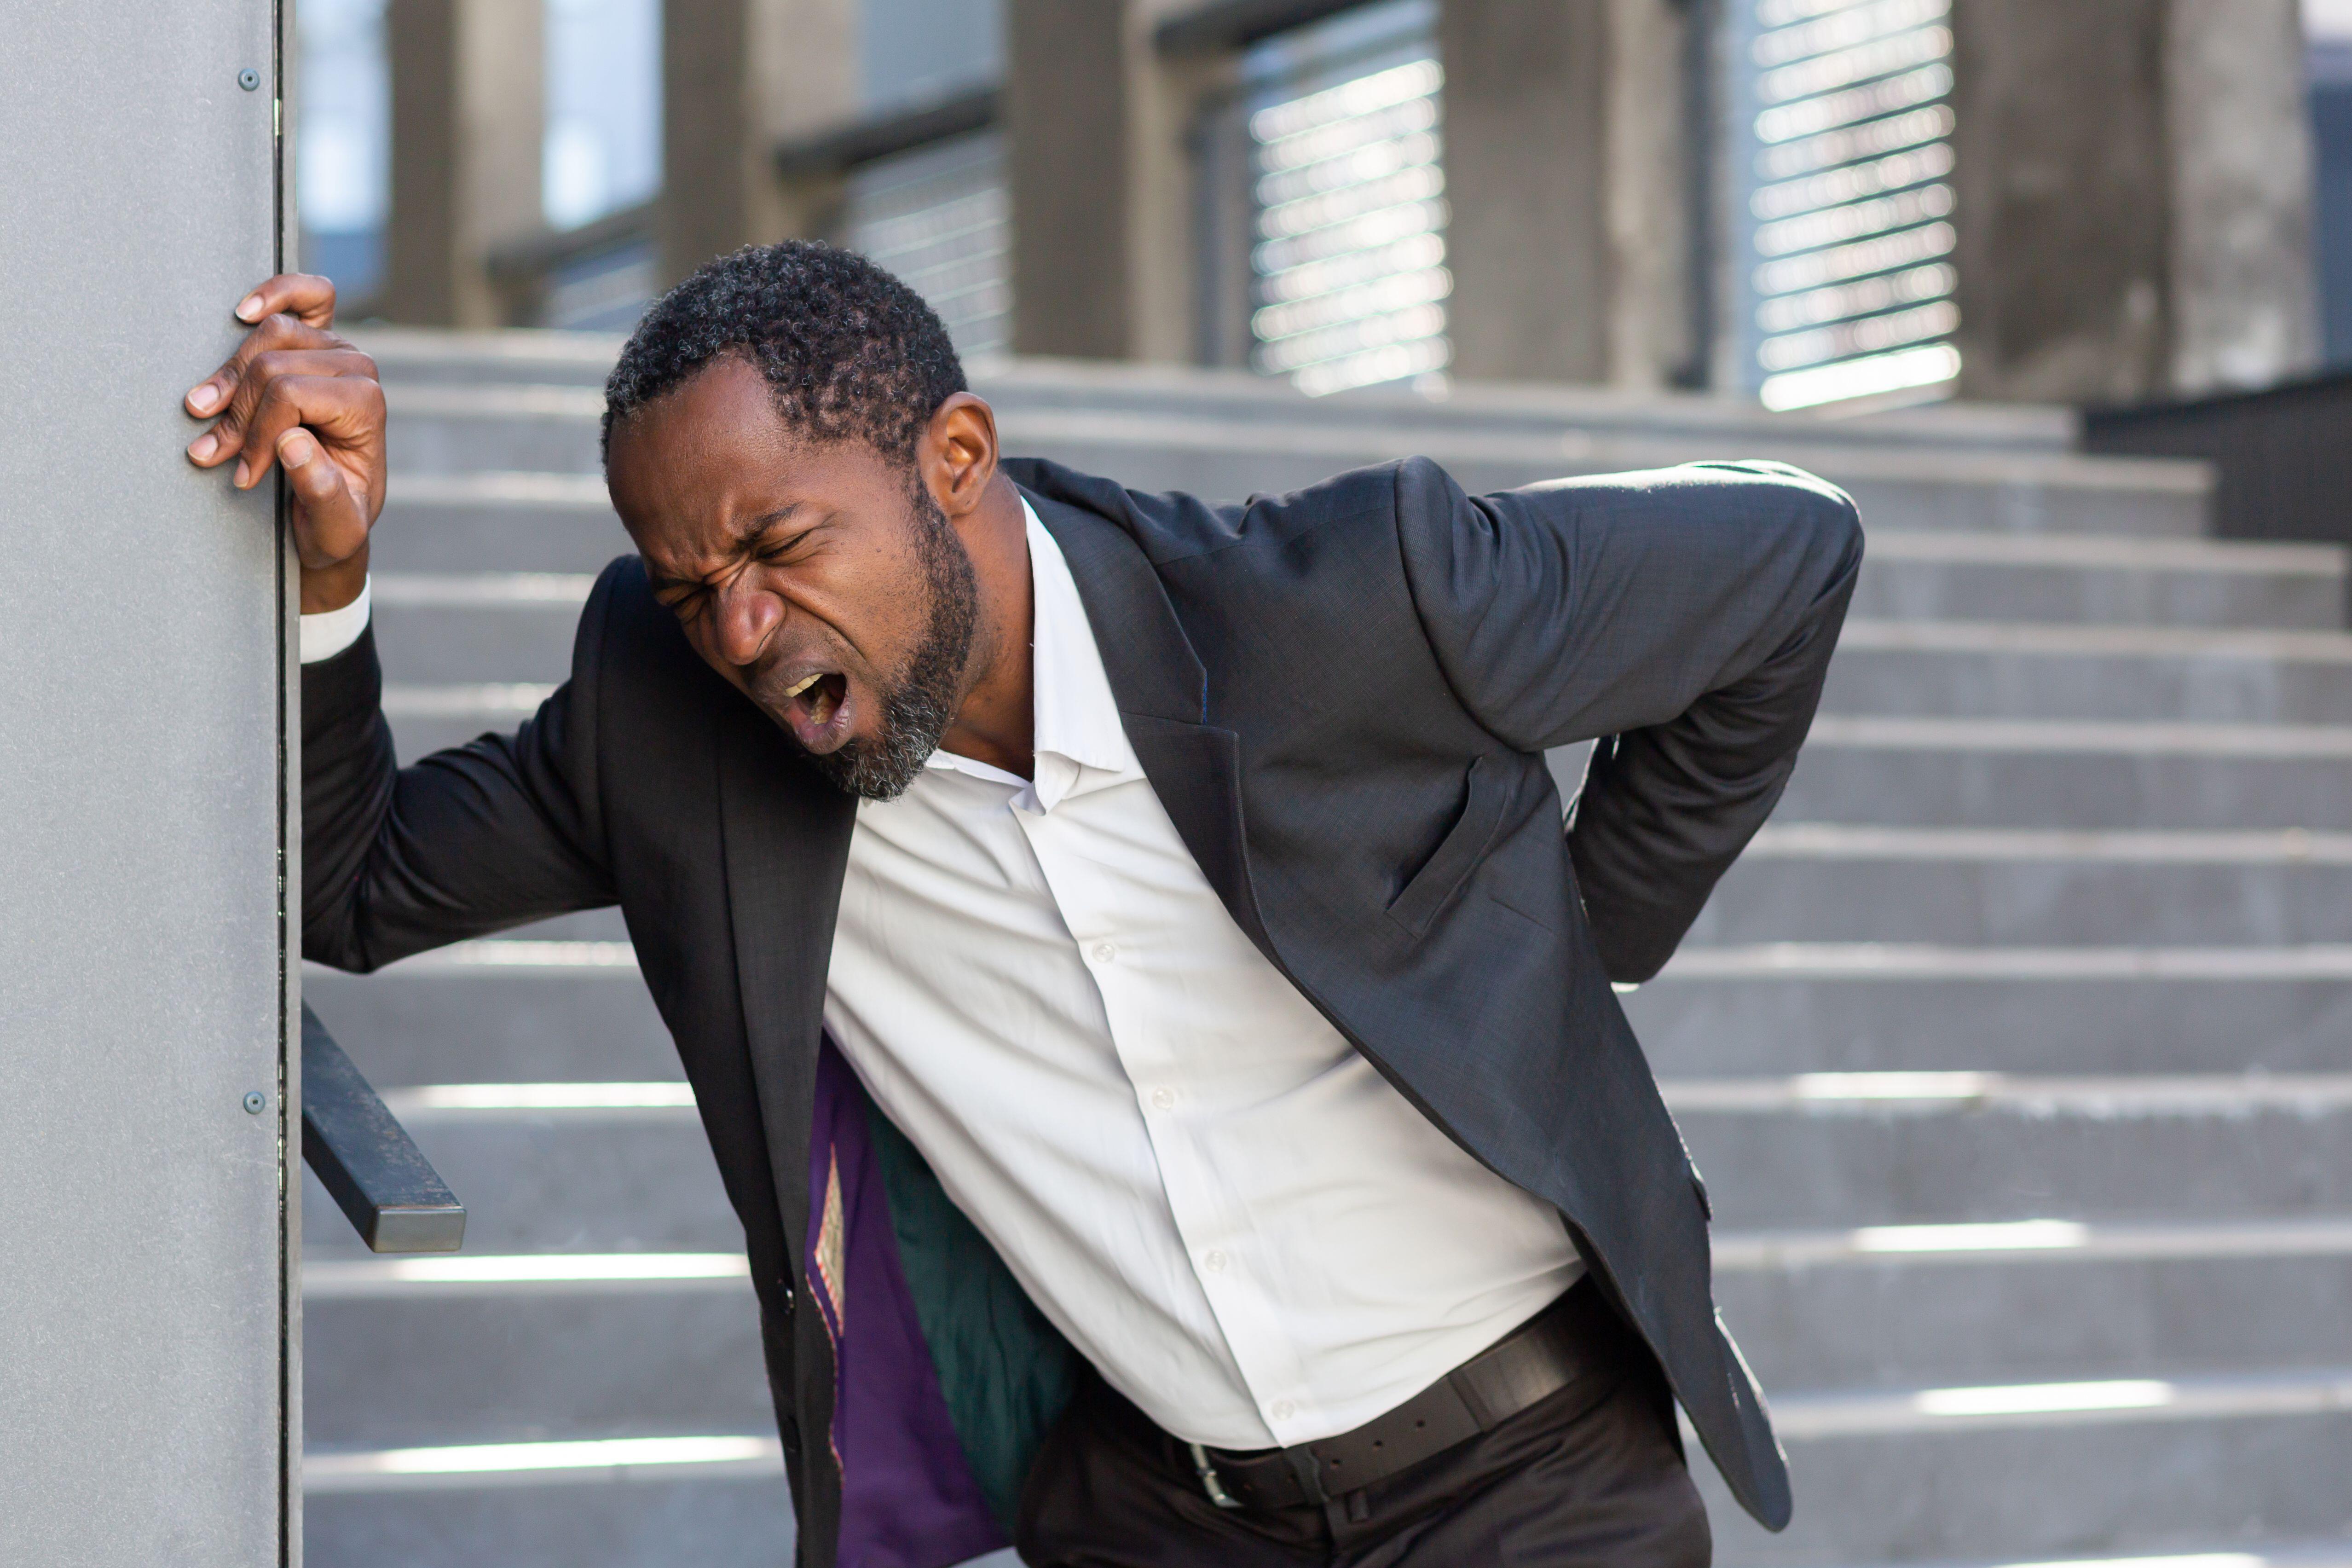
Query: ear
point(957, 455)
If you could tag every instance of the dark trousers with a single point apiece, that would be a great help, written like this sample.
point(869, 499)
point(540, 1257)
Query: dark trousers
point(1592, 1476)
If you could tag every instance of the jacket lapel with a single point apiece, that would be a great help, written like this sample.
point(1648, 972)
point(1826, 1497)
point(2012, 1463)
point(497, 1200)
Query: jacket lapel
point(1163, 698)
point(786, 833)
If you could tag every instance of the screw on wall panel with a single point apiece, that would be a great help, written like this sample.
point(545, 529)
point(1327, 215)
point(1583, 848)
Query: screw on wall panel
point(249, 79)
point(254, 1099)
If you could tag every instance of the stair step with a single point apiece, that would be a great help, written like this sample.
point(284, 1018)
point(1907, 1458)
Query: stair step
point(2071, 774)
point(1880, 1478)
point(446, 1023)
point(1906, 1165)
point(723, 1513)
point(550, 1182)
point(2015, 671)
point(497, 523)
point(1815, 1309)
point(1847, 1009)
point(533, 1366)
point(2091, 578)
point(2205, 1553)
point(2031, 894)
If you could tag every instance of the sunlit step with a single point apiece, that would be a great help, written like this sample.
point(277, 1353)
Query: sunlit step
point(483, 703)
point(1778, 960)
point(2032, 1240)
point(513, 400)
point(482, 590)
point(2107, 551)
point(1802, 1417)
point(368, 1278)
point(1927, 961)
point(460, 1101)
point(2324, 1555)
point(596, 1461)
point(524, 954)
point(2156, 738)
point(528, 487)
point(2106, 1096)
point(2064, 639)
point(2027, 1240)
point(1868, 841)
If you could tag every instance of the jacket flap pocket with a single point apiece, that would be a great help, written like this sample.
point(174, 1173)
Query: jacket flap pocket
point(1433, 886)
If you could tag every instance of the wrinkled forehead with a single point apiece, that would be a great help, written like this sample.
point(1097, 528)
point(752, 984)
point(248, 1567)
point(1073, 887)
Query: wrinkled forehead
point(699, 473)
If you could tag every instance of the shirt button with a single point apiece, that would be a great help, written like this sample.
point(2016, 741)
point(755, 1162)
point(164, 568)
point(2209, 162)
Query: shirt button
point(1283, 1410)
point(1163, 1099)
point(1214, 1263)
point(1104, 951)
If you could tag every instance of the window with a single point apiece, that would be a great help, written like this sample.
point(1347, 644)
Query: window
point(1348, 260)
point(1848, 162)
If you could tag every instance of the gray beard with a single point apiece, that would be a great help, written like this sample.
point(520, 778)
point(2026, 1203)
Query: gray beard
point(919, 704)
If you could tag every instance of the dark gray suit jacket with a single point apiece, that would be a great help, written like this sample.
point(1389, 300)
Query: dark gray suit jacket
point(1342, 697)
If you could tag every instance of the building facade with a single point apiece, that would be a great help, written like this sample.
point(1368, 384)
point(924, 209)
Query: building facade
point(1806, 202)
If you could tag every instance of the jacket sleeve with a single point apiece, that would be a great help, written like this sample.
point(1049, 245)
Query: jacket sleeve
point(1682, 617)
point(503, 830)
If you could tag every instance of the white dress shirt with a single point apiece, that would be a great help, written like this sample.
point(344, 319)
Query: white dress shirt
point(1220, 1203)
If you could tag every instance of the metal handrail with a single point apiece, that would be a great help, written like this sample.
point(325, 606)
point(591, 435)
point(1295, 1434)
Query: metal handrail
point(365, 1158)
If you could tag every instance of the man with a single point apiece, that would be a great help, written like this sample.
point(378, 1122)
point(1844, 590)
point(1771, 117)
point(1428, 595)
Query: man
point(1151, 1024)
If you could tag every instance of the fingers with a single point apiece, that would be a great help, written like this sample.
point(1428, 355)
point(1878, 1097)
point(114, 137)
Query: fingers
point(345, 412)
point(296, 395)
point(227, 438)
point(309, 300)
point(275, 334)
point(331, 516)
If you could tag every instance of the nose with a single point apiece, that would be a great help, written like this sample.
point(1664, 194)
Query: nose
point(747, 621)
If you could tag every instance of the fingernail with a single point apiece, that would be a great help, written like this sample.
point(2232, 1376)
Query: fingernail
point(204, 445)
point(249, 307)
point(202, 398)
point(243, 468)
point(297, 450)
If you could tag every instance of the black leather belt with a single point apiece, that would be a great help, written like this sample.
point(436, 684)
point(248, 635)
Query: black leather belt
point(1576, 1337)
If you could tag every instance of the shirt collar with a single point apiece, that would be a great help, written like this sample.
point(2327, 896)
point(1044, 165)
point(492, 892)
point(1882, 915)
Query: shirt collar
point(1079, 741)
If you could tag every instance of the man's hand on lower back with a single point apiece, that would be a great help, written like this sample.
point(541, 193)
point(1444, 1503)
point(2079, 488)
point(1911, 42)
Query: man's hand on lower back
point(298, 397)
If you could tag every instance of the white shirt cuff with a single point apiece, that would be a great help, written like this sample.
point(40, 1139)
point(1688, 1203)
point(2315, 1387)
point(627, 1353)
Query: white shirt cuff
point(329, 632)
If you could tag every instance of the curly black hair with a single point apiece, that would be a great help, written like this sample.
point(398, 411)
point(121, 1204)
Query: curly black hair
point(849, 352)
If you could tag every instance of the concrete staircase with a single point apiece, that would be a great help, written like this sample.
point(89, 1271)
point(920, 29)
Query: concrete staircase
point(2015, 1051)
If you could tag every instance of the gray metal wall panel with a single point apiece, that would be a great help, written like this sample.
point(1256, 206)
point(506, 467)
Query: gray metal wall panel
point(141, 1271)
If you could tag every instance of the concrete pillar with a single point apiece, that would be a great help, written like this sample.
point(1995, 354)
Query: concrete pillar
point(1566, 173)
point(2245, 306)
point(1103, 244)
point(2134, 201)
point(2063, 236)
point(737, 78)
point(467, 113)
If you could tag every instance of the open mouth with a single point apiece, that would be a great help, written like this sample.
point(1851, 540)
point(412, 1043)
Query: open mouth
point(815, 706)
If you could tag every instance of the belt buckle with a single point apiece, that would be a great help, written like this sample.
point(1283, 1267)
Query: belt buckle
point(1209, 1481)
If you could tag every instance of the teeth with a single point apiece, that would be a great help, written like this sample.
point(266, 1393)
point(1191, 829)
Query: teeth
point(805, 685)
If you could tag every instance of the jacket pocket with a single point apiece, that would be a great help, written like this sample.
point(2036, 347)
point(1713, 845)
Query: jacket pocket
point(1458, 854)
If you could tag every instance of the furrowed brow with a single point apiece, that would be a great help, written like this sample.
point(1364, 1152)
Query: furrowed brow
point(758, 527)
point(745, 539)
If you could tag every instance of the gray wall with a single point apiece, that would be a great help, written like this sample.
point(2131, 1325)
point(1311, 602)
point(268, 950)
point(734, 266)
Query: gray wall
point(144, 1392)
